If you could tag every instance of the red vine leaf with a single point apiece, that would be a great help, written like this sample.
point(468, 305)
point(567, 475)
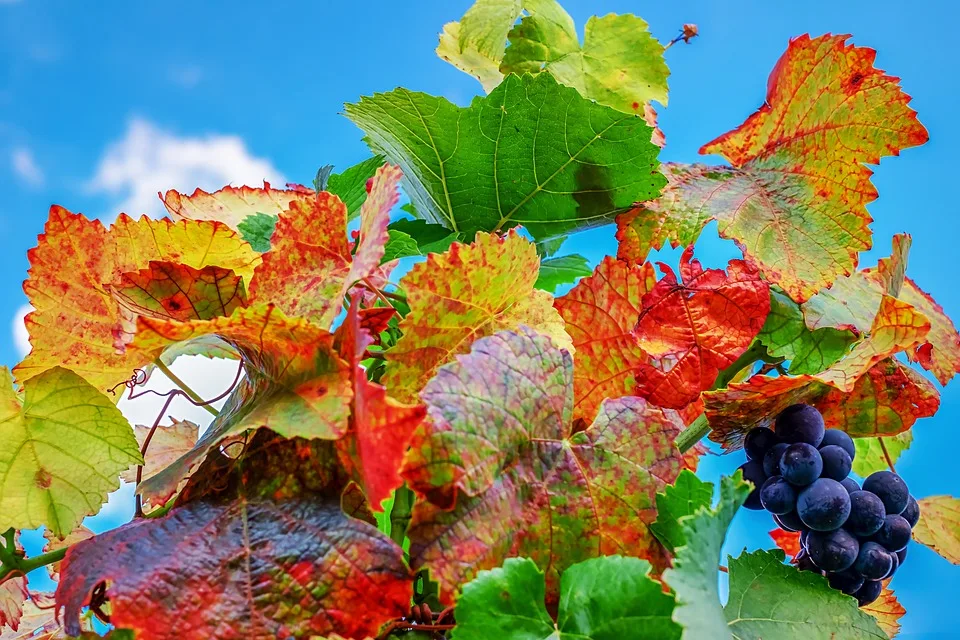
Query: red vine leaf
point(54, 543)
point(76, 316)
point(471, 291)
point(256, 548)
point(13, 595)
point(898, 327)
point(789, 541)
point(232, 205)
point(168, 444)
point(694, 327)
point(887, 610)
point(501, 436)
point(795, 198)
point(600, 314)
point(381, 429)
point(311, 265)
point(296, 384)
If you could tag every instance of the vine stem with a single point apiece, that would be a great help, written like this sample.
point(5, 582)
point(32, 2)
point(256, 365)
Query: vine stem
point(886, 454)
point(700, 427)
point(380, 294)
point(400, 514)
point(185, 388)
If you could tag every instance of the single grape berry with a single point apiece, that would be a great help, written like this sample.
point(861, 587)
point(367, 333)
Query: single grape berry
point(789, 522)
point(839, 438)
point(836, 462)
point(801, 464)
point(866, 514)
point(800, 423)
point(778, 496)
point(869, 592)
point(847, 581)
point(873, 562)
point(850, 485)
point(805, 563)
point(753, 471)
point(803, 538)
point(824, 505)
point(758, 442)
point(834, 550)
point(894, 566)
point(771, 460)
point(890, 488)
point(912, 512)
point(894, 534)
point(901, 555)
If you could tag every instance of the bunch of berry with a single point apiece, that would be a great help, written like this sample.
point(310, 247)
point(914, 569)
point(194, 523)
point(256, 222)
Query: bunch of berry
point(855, 536)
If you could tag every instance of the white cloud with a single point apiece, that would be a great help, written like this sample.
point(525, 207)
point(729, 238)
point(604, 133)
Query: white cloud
point(148, 160)
point(21, 341)
point(187, 77)
point(25, 166)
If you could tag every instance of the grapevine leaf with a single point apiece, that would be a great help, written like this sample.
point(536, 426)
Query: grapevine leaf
point(697, 326)
point(262, 550)
point(13, 601)
point(769, 599)
point(310, 266)
point(939, 526)
point(788, 541)
point(600, 314)
point(233, 205)
point(870, 458)
point(351, 184)
point(469, 292)
point(54, 543)
point(693, 577)
point(532, 153)
point(600, 599)
point(795, 198)
point(430, 238)
point(399, 245)
point(501, 436)
point(888, 611)
point(897, 327)
point(475, 44)
point(683, 498)
point(168, 444)
point(43, 482)
point(295, 383)
point(257, 229)
point(786, 336)
point(76, 316)
point(381, 429)
point(619, 65)
point(559, 271)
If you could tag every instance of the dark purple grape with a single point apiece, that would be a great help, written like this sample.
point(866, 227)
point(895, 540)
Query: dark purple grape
point(901, 555)
point(847, 581)
point(778, 496)
point(894, 534)
point(850, 485)
point(758, 442)
point(894, 566)
point(873, 561)
point(824, 505)
point(805, 563)
point(836, 462)
point(912, 512)
point(801, 464)
point(890, 488)
point(800, 423)
point(869, 592)
point(753, 471)
point(833, 551)
point(789, 522)
point(839, 438)
point(803, 538)
point(771, 460)
point(866, 514)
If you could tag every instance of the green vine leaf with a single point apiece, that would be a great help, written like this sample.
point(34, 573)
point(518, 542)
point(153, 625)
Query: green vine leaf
point(64, 447)
point(257, 229)
point(609, 598)
point(555, 272)
point(870, 458)
point(350, 185)
point(682, 498)
point(532, 153)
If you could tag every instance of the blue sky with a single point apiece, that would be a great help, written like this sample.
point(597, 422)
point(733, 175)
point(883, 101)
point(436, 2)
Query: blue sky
point(103, 104)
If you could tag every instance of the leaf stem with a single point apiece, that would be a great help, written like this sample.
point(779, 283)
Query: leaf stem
point(886, 454)
point(693, 434)
point(400, 514)
point(380, 294)
point(185, 387)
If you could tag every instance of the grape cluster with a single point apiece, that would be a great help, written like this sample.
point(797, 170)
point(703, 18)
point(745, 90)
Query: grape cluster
point(856, 536)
